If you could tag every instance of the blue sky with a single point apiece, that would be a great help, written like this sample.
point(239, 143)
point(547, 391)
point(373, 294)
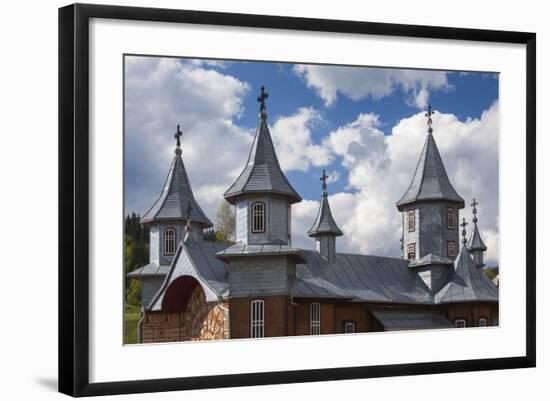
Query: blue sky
point(365, 126)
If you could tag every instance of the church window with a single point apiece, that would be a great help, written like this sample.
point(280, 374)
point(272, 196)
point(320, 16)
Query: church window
point(315, 318)
point(169, 241)
point(482, 322)
point(411, 251)
point(451, 249)
point(349, 327)
point(410, 220)
point(258, 217)
point(451, 223)
point(257, 318)
point(460, 323)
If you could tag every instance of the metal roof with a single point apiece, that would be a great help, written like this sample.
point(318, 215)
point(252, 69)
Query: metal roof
point(430, 181)
point(468, 283)
point(393, 319)
point(197, 260)
point(151, 269)
point(476, 243)
point(262, 173)
point(324, 223)
point(176, 198)
point(430, 259)
point(359, 277)
point(241, 249)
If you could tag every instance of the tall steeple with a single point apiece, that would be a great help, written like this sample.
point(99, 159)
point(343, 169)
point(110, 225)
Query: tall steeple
point(475, 244)
point(324, 229)
point(262, 194)
point(430, 206)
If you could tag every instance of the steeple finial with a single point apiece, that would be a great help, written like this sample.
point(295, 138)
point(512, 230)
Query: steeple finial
point(429, 114)
point(324, 179)
point(474, 210)
point(178, 135)
point(261, 99)
point(463, 225)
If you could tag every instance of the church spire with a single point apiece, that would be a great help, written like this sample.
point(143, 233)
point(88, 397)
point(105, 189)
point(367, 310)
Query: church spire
point(430, 181)
point(176, 201)
point(324, 229)
point(262, 173)
point(475, 244)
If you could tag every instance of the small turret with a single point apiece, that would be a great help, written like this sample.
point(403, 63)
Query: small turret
point(325, 230)
point(475, 244)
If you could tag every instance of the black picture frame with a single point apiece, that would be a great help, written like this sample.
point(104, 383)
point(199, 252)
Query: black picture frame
point(74, 198)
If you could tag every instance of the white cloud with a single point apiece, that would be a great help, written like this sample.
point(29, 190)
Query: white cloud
point(161, 93)
point(295, 147)
point(381, 167)
point(360, 82)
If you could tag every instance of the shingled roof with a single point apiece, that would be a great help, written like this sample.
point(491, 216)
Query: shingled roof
point(430, 181)
point(176, 198)
point(324, 223)
point(476, 243)
point(468, 283)
point(262, 173)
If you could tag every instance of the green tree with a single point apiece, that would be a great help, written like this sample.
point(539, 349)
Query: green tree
point(136, 254)
point(225, 223)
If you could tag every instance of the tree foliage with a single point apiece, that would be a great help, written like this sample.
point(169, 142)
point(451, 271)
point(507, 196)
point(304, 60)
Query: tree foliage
point(225, 223)
point(136, 254)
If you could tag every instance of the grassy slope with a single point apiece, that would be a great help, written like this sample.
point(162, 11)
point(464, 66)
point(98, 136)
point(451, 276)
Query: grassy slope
point(132, 315)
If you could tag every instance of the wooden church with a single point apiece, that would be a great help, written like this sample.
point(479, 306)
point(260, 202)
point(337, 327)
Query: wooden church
point(195, 288)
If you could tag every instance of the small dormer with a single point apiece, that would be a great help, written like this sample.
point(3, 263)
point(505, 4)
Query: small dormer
point(475, 246)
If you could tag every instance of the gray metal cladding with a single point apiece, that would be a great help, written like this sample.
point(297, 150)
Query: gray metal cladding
point(268, 275)
point(262, 173)
point(467, 283)
point(150, 269)
point(430, 180)
point(149, 287)
point(393, 319)
point(176, 198)
point(476, 243)
point(324, 222)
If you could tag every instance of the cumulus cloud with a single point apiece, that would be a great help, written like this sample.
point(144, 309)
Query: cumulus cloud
point(381, 167)
point(161, 93)
point(359, 82)
point(295, 147)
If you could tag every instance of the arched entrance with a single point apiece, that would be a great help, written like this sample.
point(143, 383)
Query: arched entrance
point(185, 315)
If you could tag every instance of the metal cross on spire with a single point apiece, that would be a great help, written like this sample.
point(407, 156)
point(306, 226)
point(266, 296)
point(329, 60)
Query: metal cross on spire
point(429, 114)
point(463, 225)
point(178, 135)
point(474, 210)
point(261, 99)
point(324, 179)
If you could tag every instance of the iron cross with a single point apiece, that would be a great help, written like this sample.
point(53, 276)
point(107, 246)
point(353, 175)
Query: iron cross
point(261, 99)
point(474, 203)
point(178, 135)
point(429, 114)
point(474, 211)
point(463, 225)
point(324, 179)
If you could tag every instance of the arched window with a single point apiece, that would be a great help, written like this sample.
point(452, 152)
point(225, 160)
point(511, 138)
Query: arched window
point(410, 220)
point(257, 318)
point(460, 323)
point(258, 217)
point(451, 222)
point(349, 327)
point(315, 318)
point(169, 241)
point(482, 322)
